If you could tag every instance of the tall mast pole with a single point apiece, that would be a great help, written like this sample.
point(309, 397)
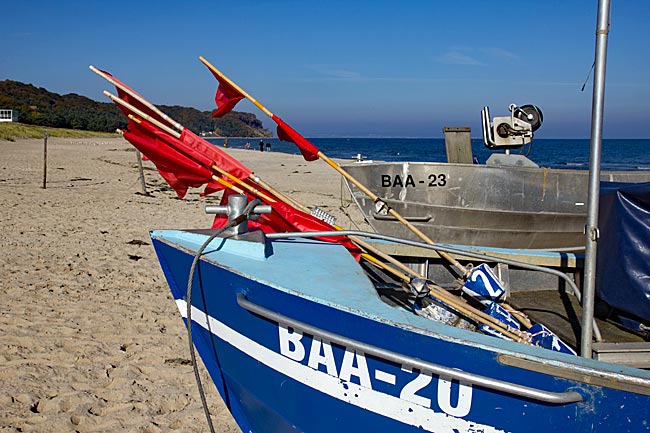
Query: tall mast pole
point(591, 229)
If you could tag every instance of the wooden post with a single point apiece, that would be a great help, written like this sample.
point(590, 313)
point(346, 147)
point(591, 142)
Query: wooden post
point(142, 182)
point(45, 135)
point(458, 144)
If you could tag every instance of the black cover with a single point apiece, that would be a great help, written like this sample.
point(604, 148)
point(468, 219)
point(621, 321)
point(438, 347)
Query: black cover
point(623, 264)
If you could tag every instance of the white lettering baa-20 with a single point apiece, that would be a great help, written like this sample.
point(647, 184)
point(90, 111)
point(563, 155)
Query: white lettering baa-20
point(354, 364)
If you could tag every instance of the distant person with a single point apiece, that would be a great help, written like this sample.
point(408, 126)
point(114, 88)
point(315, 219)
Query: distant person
point(225, 142)
point(268, 147)
point(247, 146)
point(261, 145)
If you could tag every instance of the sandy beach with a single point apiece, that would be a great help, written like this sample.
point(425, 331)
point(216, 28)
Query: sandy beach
point(90, 338)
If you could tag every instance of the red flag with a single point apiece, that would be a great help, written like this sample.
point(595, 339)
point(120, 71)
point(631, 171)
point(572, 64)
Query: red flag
point(226, 98)
point(186, 162)
point(218, 157)
point(178, 170)
point(180, 166)
point(196, 147)
point(287, 133)
point(193, 148)
point(195, 143)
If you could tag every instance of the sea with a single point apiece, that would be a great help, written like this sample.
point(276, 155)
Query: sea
point(617, 154)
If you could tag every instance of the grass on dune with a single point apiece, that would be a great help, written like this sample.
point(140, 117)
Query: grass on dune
point(12, 131)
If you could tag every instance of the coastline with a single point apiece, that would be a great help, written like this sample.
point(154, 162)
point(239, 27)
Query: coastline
point(617, 154)
point(92, 340)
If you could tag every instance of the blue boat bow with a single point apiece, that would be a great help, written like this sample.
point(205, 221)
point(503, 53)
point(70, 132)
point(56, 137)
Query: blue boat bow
point(297, 338)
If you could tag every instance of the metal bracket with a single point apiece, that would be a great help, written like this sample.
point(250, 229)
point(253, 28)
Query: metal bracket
point(236, 206)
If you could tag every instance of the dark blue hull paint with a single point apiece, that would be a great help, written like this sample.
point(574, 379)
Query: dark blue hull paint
point(268, 390)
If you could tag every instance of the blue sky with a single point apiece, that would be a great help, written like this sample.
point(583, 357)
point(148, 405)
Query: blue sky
point(346, 68)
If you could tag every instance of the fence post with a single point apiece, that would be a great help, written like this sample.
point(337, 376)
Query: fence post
point(142, 182)
point(45, 135)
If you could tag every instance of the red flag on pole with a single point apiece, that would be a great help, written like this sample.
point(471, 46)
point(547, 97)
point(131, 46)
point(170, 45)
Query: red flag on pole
point(228, 94)
point(195, 143)
point(287, 133)
point(177, 169)
point(218, 157)
point(226, 98)
point(188, 145)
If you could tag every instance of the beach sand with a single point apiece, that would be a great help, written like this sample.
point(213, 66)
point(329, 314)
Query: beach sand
point(90, 338)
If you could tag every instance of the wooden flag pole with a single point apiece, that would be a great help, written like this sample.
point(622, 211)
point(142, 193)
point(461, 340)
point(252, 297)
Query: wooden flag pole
point(464, 271)
point(374, 197)
point(442, 295)
point(143, 115)
point(284, 198)
point(375, 261)
point(136, 96)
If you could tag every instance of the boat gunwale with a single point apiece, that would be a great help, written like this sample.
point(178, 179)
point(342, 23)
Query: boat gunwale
point(552, 170)
point(603, 373)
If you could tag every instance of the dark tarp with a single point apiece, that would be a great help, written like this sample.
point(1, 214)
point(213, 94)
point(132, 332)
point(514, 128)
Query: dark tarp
point(623, 264)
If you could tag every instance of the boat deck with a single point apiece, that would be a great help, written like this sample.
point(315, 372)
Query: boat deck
point(562, 313)
point(544, 298)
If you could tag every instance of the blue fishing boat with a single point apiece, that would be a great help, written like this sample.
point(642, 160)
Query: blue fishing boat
point(305, 327)
point(297, 337)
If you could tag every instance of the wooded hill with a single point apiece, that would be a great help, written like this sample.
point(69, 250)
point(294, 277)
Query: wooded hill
point(37, 106)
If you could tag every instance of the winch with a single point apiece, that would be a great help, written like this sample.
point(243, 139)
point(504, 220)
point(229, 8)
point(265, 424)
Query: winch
point(511, 132)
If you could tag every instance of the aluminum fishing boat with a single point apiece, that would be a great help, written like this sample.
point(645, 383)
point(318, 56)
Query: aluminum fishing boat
point(507, 202)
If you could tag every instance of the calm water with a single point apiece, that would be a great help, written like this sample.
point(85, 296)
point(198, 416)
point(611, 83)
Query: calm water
point(559, 153)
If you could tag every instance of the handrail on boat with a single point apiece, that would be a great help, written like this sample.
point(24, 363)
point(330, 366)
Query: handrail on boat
point(417, 219)
point(559, 398)
point(438, 247)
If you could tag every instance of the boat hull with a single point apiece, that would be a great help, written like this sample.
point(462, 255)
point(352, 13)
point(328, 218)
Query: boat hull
point(277, 372)
point(497, 206)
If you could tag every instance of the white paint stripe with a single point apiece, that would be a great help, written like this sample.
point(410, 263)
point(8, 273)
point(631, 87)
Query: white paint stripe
point(365, 398)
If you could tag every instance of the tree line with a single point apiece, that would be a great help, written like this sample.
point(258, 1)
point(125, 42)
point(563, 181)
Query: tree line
point(38, 106)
